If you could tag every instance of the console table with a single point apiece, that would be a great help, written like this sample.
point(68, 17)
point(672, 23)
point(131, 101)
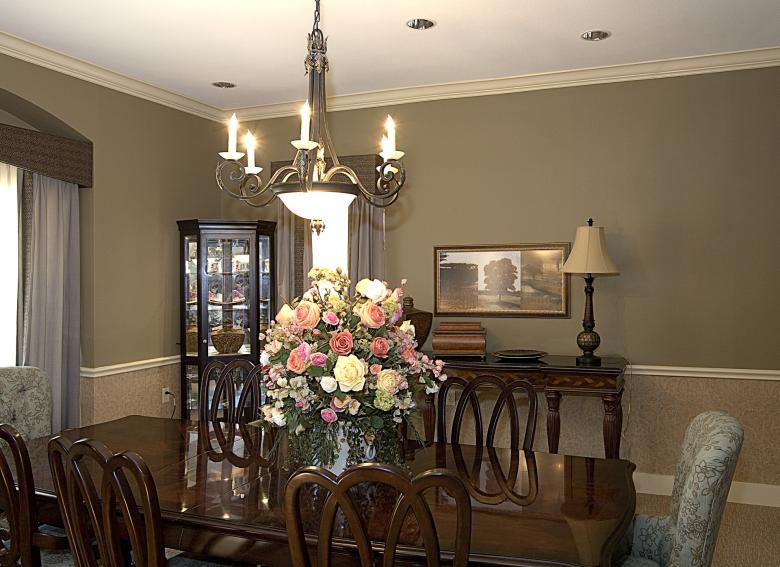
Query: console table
point(555, 376)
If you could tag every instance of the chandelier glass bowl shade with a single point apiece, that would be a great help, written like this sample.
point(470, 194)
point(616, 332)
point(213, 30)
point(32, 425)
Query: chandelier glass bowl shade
point(308, 187)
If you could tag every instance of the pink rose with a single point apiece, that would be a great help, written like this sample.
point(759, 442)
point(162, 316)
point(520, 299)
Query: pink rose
point(409, 356)
point(372, 315)
point(375, 368)
point(328, 415)
point(319, 359)
point(330, 318)
point(300, 404)
point(380, 347)
point(341, 343)
point(298, 360)
point(338, 405)
point(306, 315)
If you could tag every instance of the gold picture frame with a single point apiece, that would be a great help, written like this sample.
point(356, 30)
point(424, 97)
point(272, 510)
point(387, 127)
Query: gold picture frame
point(503, 280)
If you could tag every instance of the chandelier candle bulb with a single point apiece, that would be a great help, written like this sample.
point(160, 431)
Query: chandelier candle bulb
point(250, 143)
point(390, 125)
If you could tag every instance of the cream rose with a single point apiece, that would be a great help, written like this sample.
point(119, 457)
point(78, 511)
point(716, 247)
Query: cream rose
point(306, 315)
point(350, 373)
point(407, 328)
point(284, 315)
point(387, 381)
point(374, 290)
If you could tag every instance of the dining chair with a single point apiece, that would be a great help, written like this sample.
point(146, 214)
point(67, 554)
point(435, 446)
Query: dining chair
point(26, 396)
point(230, 392)
point(106, 499)
point(23, 539)
point(469, 398)
point(687, 536)
point(409, 498)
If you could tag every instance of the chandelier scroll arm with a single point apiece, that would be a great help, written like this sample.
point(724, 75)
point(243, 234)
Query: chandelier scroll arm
point(249, 186)
point(389, 184)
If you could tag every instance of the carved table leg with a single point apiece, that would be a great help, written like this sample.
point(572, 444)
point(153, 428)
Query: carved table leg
point(553, 420)
point(613, 424)
point(429, 418)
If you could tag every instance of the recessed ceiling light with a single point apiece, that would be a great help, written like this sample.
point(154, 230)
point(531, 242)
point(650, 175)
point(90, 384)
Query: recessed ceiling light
point(420, 24)
point(223, 85)
point(595, 35)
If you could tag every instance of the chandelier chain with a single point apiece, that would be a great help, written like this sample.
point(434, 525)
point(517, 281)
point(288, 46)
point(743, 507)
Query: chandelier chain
point(316, 15)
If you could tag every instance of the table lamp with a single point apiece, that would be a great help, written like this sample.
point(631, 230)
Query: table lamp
point(589, 258)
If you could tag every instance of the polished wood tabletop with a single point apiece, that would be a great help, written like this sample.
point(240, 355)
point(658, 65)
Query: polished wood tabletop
point(222, 495)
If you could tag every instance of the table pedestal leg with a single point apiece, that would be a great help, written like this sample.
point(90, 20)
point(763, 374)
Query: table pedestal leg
point(553, 420)
point(613, 424)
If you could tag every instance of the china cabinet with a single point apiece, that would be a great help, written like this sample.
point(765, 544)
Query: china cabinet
point(227, 295)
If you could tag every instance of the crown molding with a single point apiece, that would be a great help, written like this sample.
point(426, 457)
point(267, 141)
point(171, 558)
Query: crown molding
point(679, 67)
point(753, 59)
point(38, 55)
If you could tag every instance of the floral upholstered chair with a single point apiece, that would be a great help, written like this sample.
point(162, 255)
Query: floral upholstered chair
point(687, 536)
point(25, 400)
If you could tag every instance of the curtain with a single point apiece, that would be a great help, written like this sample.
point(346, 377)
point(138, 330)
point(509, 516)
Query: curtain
point(366, 241)
point(50, 323)
point(9, 236)
point(293, 254)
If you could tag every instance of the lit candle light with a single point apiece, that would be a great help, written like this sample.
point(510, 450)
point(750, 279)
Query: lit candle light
point(232, 134)
point(249, 142)
point(385, 146)
point(390, 126)
point(305, 119)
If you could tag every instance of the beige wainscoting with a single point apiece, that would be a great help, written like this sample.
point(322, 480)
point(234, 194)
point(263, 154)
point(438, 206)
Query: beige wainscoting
point(112, 392)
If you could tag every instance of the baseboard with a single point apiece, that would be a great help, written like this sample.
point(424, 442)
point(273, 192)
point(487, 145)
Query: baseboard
point(750, 493)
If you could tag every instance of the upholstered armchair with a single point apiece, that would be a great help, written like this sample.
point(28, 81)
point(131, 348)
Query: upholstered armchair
point(25, 400)
point(687, 536)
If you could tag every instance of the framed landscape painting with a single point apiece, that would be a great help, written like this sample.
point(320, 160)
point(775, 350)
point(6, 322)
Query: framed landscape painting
point(508, 280)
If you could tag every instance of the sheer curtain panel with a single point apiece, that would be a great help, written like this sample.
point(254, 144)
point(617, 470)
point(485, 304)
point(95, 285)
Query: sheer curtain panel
point(50, 329)
point(9, 236)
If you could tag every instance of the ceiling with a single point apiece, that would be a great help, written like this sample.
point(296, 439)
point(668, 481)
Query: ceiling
point(182, 46)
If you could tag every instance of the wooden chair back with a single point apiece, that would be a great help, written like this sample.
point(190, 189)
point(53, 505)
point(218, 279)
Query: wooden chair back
point(411, 498)
point(105, 497)
point(16, 499)
point(230, 392)
point(469, 399)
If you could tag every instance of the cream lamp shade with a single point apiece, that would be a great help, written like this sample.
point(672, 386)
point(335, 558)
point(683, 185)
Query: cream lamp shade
point(589, 254)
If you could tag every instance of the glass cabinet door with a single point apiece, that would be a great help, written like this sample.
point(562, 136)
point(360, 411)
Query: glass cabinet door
point(228, 277)
point(264, 267)
point(191, 295)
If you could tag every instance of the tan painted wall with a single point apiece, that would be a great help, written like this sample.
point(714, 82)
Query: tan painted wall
point(153, 166)
point(683, 172)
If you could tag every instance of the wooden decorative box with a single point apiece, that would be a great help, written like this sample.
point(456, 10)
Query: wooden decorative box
point(459, 339)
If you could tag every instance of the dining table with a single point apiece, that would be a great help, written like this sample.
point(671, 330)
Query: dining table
point(221, 492)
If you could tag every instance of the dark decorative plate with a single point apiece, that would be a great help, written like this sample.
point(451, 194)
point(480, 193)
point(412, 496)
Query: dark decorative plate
point(520, 354)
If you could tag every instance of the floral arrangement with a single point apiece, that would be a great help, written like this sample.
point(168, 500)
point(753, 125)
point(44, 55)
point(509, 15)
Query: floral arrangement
point(340, 368)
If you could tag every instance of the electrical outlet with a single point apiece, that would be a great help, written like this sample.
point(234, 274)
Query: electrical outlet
point(166, 396)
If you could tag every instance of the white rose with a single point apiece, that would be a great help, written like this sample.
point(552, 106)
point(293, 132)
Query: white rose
point(265, 359)
point(300, 429)
point(278, 417)
point(374, 290)
point(329, 384)
point(407, 328)
point(284, 315)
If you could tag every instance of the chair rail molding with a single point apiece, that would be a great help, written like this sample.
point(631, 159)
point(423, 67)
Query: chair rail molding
point(696, 372)
point(126, 367)
point(675, 67)
point(750, 493)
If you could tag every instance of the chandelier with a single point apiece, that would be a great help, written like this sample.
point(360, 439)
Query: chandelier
point(308, 187)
